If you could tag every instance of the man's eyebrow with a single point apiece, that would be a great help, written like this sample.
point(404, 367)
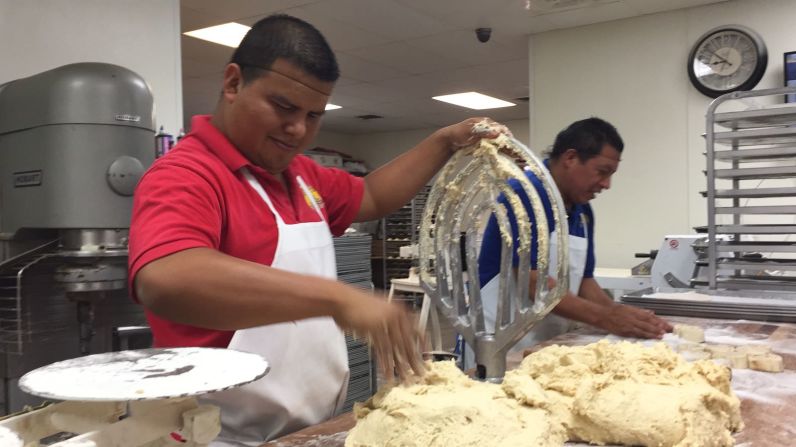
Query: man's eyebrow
point(288, 103)
point(281, 99)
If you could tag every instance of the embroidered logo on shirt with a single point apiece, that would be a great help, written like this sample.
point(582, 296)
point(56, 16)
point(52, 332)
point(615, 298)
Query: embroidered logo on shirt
point(315, 196)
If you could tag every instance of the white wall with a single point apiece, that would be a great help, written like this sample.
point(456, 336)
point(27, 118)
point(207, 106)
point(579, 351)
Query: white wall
point(378, 148)
point(632, 72)
point(144, 36)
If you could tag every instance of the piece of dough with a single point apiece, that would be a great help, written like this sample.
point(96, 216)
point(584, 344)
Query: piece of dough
point(754, 349)
point(766, 362)
point(690, 333)
point(719, 351)
point(603, 393)
point(737, 359)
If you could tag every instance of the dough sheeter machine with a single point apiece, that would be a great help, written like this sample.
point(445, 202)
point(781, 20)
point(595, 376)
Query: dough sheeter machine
point(130, 398)
point(461, 200)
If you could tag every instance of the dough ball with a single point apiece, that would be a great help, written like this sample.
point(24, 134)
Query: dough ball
point(754, 349)
point(719, 351)
point(766, 362)
point(737, 359)
point(690, 333)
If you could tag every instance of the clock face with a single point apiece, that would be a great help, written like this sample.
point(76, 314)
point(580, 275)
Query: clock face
point(727, 59)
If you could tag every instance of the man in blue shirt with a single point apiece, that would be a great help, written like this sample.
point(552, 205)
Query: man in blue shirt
point(584, 157)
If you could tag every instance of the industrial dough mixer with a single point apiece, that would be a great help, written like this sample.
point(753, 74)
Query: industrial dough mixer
point(462, 198)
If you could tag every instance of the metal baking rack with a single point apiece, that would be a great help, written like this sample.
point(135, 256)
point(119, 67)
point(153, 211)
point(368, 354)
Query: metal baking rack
point(751, 192)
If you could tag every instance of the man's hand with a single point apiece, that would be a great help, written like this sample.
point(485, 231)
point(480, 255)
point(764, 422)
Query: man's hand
point(388, 329)
point(471, 130)
point(629, 321)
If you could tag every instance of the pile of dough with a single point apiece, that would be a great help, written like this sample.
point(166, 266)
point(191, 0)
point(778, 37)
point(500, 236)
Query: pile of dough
point(448, 408)
point(625, 393)
point(602, 393)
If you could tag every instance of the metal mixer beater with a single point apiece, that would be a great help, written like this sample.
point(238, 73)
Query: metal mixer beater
point(461, 199)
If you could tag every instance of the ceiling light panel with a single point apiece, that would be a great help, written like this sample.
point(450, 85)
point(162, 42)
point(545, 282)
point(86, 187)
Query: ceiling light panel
point(474, 100)
point(229, 34)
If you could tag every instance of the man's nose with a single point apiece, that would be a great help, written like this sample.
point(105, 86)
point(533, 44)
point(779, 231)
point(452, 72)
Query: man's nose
point(605, 183)
point(296, 127)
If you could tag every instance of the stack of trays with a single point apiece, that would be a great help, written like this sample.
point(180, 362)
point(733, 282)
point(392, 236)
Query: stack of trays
point(352, 252)
point(705, 303)
point(360, 381)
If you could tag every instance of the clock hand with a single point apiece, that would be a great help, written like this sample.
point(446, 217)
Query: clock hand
point(722, 60)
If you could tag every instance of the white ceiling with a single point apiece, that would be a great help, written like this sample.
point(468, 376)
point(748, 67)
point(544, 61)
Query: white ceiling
point(395, 54)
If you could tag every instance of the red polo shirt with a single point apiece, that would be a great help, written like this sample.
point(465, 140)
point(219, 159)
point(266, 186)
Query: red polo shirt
point(195, 196)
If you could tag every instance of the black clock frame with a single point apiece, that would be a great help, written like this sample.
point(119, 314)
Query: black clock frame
point(757, 73)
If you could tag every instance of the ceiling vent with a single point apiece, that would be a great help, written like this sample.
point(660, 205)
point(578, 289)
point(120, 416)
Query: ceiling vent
point(369, 117)
point(552, 6)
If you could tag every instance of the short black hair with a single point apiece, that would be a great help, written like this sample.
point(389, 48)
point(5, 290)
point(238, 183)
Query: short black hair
point(587, 137)
point(281, 36)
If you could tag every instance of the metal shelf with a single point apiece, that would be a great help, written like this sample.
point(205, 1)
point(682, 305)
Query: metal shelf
point(784, 209)
point(747, 119)
point(757, 137)
point(756, 246)
point(782, 152)
point(768, 264)
point(756, 173)
point(753, 193)
point(754, 282)
point(757, 229)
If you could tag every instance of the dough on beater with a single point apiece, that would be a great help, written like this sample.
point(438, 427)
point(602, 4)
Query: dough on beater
point(766, 362)
point(602, 393)
point(690, 333)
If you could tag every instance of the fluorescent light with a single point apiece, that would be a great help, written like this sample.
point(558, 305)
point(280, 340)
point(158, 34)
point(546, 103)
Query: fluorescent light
point(229, 34)
point(474, 100)
point(330, 106)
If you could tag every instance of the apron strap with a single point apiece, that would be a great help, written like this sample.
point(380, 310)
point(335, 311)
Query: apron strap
point(261, 192)
point(585, 224)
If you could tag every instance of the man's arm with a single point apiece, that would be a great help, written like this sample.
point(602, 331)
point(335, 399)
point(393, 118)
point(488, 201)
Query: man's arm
point(591, 290)
point(600, 311)
point(394, 184)
point(206, 288)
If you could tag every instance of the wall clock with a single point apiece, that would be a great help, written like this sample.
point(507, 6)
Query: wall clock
point(727, 59)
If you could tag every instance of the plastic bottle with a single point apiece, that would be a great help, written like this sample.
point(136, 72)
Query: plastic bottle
point(163, 142)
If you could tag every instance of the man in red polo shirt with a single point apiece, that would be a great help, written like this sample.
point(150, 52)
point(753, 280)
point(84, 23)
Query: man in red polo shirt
point(231, 236)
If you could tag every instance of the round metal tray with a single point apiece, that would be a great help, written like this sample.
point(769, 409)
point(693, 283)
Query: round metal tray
point(145, 374)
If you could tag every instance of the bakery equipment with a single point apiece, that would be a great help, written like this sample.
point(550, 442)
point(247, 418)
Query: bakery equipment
point(750, 194)
point(769, 305)
point(130, 398)
point(461, 200)
point(677, 263)
point(74, 141)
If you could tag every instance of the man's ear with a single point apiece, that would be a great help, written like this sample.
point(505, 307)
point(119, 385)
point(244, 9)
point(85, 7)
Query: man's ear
point(570, 157)
point(233, 82)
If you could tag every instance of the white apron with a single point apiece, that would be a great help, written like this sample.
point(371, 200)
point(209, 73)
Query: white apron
point(551, 325)
point(309, 362)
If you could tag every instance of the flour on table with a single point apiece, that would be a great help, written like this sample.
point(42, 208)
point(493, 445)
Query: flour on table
point(599, 393)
